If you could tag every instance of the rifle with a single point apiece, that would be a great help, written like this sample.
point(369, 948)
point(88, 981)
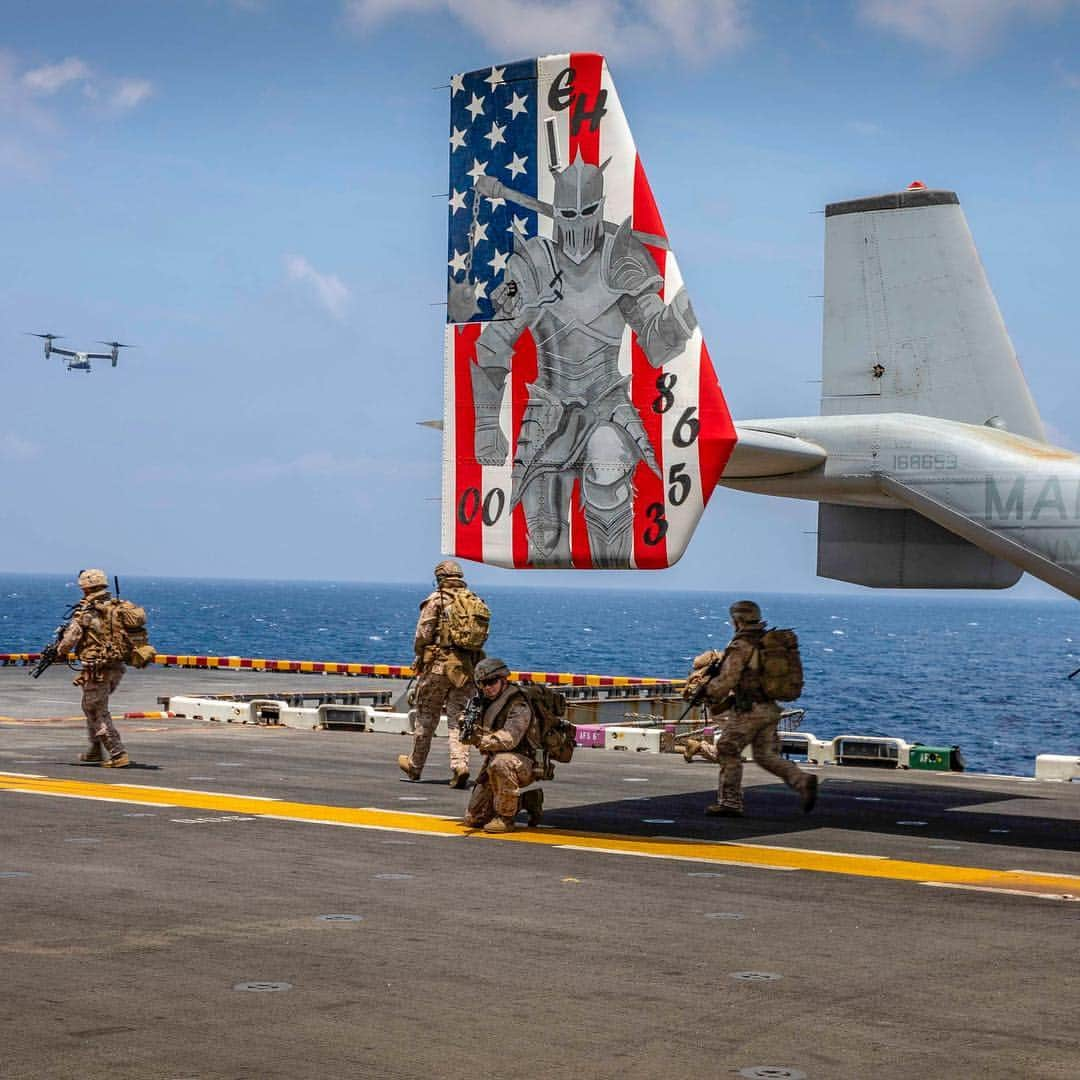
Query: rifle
point(469, 724)
point(49, 655)
point(711, 669)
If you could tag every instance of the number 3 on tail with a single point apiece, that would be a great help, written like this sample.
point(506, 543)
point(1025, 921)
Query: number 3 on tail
point(659, 527)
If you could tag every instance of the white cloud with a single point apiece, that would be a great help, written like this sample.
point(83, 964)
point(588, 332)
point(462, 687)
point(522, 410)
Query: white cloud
point(960, 27)
point(118, 94)
point(130, 92)
point(36, 103)
point(331, 291)
point(691, 29)
point(25, 123)
point(53, 77)
point(15, 448)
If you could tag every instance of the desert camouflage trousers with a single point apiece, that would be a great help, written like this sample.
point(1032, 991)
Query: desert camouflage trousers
point(97, 684)
point(434, 695)
point(758, 729)
point(497, 792)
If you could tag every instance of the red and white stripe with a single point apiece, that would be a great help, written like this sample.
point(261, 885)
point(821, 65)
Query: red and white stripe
point(627, 194)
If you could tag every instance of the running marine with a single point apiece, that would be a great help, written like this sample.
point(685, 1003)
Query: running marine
point(744, 711)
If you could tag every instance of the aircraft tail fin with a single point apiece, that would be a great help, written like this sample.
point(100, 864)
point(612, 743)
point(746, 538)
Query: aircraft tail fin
point(911, 324)
point(583, 424)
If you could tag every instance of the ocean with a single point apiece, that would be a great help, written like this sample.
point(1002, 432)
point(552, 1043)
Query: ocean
point(986, 672)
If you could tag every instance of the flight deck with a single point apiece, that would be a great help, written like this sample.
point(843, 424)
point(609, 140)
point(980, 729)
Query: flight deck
point(272, 902)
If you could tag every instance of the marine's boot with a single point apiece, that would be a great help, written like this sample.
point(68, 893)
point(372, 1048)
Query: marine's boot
point(460, 779)
point(500, 825)
point(406, 766)
point(720, 810)
point(532, 802)
point(471, 822)
point(94, 754)
point(690, 749)
point(117, 761)
point(809, 793)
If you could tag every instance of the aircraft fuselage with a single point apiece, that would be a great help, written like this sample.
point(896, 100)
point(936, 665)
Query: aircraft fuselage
point(1013, 497)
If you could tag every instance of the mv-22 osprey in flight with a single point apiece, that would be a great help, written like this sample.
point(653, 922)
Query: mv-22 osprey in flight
point(584, 425)
point(80, 361)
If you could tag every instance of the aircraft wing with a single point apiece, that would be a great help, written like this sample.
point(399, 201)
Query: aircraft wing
point(61, 352)
point(584, 425)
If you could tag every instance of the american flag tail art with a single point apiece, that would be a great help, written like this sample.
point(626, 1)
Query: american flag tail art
point(583, 424)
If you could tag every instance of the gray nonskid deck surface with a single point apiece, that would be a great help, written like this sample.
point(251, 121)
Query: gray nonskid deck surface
point(127, 926)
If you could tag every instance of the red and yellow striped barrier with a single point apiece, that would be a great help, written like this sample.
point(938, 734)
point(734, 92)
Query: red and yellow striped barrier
point(377, 671)
point(316, 667)
point(556, 678)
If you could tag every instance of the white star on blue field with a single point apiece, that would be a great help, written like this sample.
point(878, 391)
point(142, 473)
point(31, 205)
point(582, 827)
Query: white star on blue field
point(482, 230)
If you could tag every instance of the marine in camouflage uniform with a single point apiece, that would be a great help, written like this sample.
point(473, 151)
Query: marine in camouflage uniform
point(509, 762)
point(745, 715)
point(88, 636)
point(444, 680)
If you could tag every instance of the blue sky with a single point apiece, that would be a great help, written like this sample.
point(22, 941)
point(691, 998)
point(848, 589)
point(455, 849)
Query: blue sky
point(244, 190)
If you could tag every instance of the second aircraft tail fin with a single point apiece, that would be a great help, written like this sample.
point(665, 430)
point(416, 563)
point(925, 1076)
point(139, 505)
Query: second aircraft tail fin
point(911, 324)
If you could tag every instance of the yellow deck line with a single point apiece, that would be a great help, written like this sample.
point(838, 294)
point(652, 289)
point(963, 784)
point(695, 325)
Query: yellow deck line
point(761, 855)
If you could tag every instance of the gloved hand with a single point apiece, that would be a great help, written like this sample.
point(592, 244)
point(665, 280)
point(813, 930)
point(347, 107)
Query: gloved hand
point(489, 744)
point(489, 187)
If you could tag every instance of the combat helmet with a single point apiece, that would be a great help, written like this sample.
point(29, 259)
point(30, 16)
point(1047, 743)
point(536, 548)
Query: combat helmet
point(745, 613)
point(449, 569)
point(491, 667)
point(93, 579)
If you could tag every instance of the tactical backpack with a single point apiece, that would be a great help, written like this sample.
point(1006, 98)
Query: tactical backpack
point(781, 665)
point(127, 630)
point(553, 731)
point(467, 620)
